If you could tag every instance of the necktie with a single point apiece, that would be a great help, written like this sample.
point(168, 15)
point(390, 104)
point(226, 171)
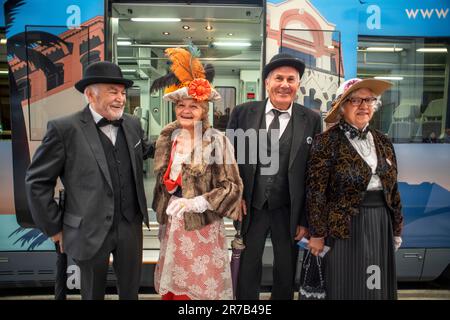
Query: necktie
point(274, 125)
point(104, 122)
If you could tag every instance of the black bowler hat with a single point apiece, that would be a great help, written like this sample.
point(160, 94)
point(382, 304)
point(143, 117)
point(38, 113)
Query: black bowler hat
point(284, 60)
point(102, 72)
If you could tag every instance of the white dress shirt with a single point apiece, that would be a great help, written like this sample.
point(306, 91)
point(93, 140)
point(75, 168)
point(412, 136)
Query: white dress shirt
point(109, 130)
point(284, 117)
point(366, 149)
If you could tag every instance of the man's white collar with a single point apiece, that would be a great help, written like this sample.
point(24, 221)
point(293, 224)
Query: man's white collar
point(269, 107)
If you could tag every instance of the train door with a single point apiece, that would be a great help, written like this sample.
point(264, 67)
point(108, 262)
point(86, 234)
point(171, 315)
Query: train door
point(229, 36)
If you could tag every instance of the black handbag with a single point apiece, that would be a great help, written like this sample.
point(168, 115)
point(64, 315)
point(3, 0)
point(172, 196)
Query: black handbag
point(312, 284)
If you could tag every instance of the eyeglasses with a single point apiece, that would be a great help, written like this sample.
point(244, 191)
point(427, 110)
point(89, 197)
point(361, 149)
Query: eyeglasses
point(370, 101)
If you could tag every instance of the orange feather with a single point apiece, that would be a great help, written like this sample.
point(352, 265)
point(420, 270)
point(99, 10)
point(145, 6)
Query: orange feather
point(185, 67)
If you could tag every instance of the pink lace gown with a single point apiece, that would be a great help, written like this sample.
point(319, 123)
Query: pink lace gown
point(194, 263)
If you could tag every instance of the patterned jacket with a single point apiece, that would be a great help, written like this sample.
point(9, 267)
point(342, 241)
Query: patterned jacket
point(337, 181)
point(215, 175)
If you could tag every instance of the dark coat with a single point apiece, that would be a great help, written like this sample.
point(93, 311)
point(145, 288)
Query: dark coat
point(71, 150)
point(306, 124)
point(337, 181)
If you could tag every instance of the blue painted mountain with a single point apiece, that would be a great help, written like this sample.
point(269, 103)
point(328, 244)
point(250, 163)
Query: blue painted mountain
point(426, 208)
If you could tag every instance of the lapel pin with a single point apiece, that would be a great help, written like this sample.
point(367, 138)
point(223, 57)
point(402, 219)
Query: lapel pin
point(137, 143)
point(309, 140)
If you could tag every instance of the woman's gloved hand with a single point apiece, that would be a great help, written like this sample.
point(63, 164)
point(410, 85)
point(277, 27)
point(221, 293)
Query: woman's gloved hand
point(179, 206)
point(397, 242)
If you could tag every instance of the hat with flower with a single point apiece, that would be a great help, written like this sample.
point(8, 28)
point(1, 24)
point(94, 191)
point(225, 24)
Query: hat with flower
point(349, 86)
point(188, 78)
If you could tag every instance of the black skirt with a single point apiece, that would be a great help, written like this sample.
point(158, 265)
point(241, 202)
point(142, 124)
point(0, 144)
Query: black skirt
point(363, 267)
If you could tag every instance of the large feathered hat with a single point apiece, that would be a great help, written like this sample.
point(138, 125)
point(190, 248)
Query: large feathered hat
point(188, 78)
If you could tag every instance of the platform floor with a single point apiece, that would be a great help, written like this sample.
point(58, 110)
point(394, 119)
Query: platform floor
point(402, 294)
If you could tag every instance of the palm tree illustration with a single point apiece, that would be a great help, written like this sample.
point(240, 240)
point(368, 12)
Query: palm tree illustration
point(23, 46)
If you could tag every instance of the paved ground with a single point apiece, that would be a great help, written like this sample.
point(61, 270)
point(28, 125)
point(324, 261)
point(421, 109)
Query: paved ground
point(403, 295)
point(438, 289)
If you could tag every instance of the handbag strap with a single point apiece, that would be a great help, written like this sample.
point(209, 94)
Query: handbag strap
point(319, 264)
point(308, 264)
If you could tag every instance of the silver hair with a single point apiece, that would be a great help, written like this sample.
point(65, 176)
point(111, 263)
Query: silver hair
point(94, 87)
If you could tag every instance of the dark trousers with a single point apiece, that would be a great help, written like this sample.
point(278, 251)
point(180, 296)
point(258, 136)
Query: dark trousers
point(285, 255)
point(124, 241)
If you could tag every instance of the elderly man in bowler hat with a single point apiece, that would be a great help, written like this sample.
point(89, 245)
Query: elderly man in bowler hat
point(97, 152)
point(275, 202)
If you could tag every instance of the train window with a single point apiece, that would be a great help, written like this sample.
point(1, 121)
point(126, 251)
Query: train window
point(223, 107)
point(89, 57)
point(56, 77)
point(133, 102)
point(5, 109)
point(45, 75)
point(320, 50)
point(22, 88)
point(416, 108)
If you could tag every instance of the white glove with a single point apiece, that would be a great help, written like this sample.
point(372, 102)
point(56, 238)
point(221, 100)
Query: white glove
point(179, 206)
point(397, 242)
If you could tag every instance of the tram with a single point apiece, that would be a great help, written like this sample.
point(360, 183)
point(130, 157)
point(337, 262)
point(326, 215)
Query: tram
point(45, 46)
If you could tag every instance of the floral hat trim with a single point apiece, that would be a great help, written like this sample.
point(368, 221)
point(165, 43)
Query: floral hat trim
point(183, 93)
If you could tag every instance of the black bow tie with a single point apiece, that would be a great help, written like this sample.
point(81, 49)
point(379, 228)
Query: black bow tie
point(352, 132)
point(104, 122)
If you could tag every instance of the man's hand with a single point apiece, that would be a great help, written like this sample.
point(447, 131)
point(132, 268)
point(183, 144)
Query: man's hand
point(57, 238)
point(301, 232)
point(243, 210)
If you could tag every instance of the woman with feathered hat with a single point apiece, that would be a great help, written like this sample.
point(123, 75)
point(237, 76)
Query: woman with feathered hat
point(197, 185)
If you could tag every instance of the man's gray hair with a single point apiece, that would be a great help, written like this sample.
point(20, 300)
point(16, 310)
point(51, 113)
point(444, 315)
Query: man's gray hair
point(92, 87)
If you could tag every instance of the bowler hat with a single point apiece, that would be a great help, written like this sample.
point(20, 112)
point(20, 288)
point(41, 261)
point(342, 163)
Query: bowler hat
point(102, 72)
point(284, 60)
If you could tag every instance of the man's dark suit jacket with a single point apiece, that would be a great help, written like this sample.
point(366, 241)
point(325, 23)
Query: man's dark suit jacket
point(306, 124)
point(71, 150)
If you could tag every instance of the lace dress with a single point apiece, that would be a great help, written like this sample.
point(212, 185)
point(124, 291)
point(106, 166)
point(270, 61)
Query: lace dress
point(194, 263)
